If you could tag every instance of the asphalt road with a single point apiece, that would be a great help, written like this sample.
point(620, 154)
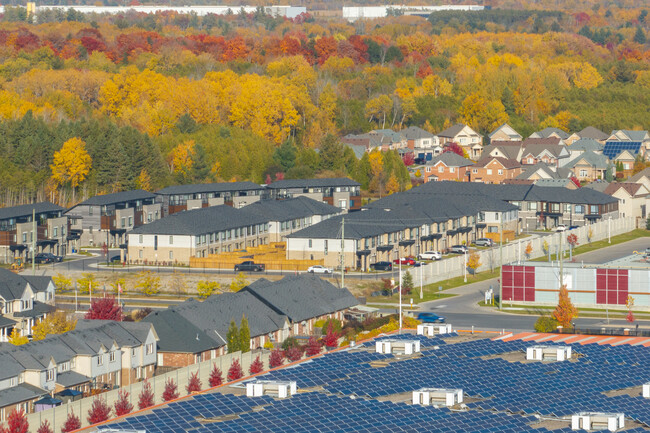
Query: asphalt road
point(462, 311)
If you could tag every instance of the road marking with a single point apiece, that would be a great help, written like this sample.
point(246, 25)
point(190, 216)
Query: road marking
point(439, 306)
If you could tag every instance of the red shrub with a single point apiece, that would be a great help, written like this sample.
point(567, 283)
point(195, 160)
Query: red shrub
point(99, 411)
point(194, 385)
point(235, 372)
point(215, 376)
point(256, 366)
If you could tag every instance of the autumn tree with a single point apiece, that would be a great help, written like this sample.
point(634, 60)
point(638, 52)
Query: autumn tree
point(54, 323)
point(407, 283)
point(148, 283)
point(146, 397)
point(122, 405)
point(16, 339)
point(72, 422)
point(215, 378)
point(181, 160)
point(377, 109)
point(528, 250)
point(482, 114)
point(314, 347)
point(105, 308)
point(88, 283)
point(293, 353)
point(276, 358)
point(256, 366)
point(17, 422)
point(71, 164)
point(474, 262)
point(194, 384)
point(171, 390)
point(244, 335)
point(99, 411)
point(62, 283)
point(144, 180)
point(331, 339)
point(206, 288)
point(45, 427)
point(239, 282)
point(235, 371)
point(629, 304)
point(233, 338)
point(565, 311)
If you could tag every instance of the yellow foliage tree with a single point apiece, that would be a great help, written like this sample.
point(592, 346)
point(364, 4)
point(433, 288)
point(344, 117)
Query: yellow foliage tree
point(16, 339)
point(61, 282)
point(239, 282)
point(392, 186)
point(435, 86)
point(54, 323)
point(565, 311)
point(206, 288)
point(376, 170)
point(180, 159)
point(482, 114)
point(378, 108)
point(71, 164)
point(144, 180)
point(474, 262)
point(87, 283)
point(148, 283)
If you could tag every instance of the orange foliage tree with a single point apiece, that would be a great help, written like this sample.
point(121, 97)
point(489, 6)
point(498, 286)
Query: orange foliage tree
point(565, 311)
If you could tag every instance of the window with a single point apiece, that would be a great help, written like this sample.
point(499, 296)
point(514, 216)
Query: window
point(567, 207)
point(100, 360)
point(325, 249)
point(594, 209)
point(310, 243)
point(90, 211)
point(56, 232)
point(149, 349)
point(496, 216)
point(14, 381)
point(489, 171)
point(140, 254)
point(149, 217)
point(49, 375)
point(123, 222)
point(171, 255)
point(427, 169)
point(626, 166)
point(90, 229)
point(452, 169)
point(130, 221)
point(441, 169)
point(24, 237)
point(133, 351)
point(140, 238)
point(111, 357)
point(500, 171)
point(530, 160)
point(579, 209)
point(475, 170)
point(532, 206)
point(138, 373)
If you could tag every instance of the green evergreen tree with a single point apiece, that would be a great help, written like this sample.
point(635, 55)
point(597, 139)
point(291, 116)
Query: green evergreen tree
point(639, 36)
point(332, 153)
point(244, 335)
point(233, 338)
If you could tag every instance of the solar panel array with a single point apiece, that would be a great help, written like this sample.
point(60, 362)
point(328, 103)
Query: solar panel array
point(505, 395)
point(613, 148)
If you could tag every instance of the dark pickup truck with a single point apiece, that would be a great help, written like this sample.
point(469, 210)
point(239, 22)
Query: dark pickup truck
point(249, 266)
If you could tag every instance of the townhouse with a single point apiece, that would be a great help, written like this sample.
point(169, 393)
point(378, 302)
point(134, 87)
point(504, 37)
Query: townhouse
point(470, 140)
point(633, 200)
point(105, 219)
point(197, 331)
point(17, 230)
point(584, 145)
point(24, 300)
point(187, 197)
point(217, 229)
point(96, 355)
point(341, 192)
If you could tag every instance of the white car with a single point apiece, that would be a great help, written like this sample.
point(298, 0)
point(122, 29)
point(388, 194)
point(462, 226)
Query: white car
point(318, 269)
point(430, 255)
point(560, 228)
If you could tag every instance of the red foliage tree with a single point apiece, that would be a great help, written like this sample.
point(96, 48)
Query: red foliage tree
point(257, 366)
point(235, 372)
point(194, 385)
point(268, 180)
point(332, 337)
point(99, 411)
point(572, 239)
point(325, 47)
point(409, 159)
point(293, 354)
point(45, 427)
point(215, 376)
point(171, 390)
point(17, 422)
point(279, 176)
point(146, 397)
point(72, 422)
point(122, 405)
point(575, 181)
point(276, 359)
point(313, 347)
point(453, 147)
point(105, 308)
point(630, 317)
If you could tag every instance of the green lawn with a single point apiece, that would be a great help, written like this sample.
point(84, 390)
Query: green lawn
point(537, 310)
point(619, 239)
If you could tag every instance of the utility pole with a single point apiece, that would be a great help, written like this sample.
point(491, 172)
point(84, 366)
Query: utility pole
point(399, 259)
point(343, 252)
point(501, 261)
point(34, 235)
point(561, 262)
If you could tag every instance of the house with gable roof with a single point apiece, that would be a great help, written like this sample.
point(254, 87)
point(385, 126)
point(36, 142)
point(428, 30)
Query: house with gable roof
point(549, 133)
point(589, 133)
point(494, 169)
point(543, 171)
point(446, 166)
point(504, 132)
point(546, 150)
point(589, 166)
point(633, 200)
point(470, 140)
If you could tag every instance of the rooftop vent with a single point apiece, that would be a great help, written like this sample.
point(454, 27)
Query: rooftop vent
point(405, 347)
point(281, 389)
point(548, 353)
point(646, 390)
point(430, 329)
point(598, 421)
point(438, 396)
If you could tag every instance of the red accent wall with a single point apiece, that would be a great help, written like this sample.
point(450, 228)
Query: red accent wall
point(518, 283)
point(611, 286)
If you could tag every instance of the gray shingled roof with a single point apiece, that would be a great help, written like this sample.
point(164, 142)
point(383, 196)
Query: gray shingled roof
point(516, 137)
point(20, 393)
point(210, 187)
point(38, 309)
point(26, 210)
point(596, 160)
point(452, 131)
point(177, 334)
point(313, 183)
point(117, 197)
point(592, 133)
point(563, 183)
point(546, 132)
point(302, 297)
point(125, 334)
point(450, 159)
point(529, 170)
point(71, 378)
point(643, 173)
point(415, 133)
point(12, 286)
point(290, 209)
point(39, 283)
point(585, 144)
point(201, 221)
point(634, 135)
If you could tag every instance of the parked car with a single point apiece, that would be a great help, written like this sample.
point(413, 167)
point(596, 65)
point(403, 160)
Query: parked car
point(560, 228)
point(249, 266)
point(459, 249)
point(427, 317)
point(382, 266)
point(430, 255)
point(318, 269)
point(115, 258)
point(44, 258)
point(405, 261)
point(484, 242)
point(420, 161)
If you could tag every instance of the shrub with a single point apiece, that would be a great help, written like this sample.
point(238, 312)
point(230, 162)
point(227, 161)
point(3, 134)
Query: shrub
point(146, 398)
point(546, 324)
point(99, 411)
point(293, 354)
point(72, 422)
point(215, 378)
point(269, 345)
point(171, 390)
point(45, 427)
point(194, 385)
point(313, 347)
point(122, 405)
point(276, 359)
point(235, 372)
point(336, 324)
point(257, 366)
point(289, 343)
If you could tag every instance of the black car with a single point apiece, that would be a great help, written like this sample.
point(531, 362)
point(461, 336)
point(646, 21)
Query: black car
point(44, 258)
point(382, 266)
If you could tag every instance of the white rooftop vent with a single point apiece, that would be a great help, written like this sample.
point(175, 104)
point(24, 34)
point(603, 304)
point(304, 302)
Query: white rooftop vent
point(438, 396)
point(548, 353)
point(598, 421)
point(282, 389)
point(430, 329)
point(646, 390)
point(406, 347)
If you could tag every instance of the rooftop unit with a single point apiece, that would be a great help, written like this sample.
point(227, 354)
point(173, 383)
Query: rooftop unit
point(438, 396)
point(548, 353)
point(281, 389)
point(431, 329)
point(598, 421)
point(405, 347)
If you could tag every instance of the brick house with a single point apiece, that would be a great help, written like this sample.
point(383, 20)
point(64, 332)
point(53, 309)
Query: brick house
point(446, 166)
point(493, 169)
